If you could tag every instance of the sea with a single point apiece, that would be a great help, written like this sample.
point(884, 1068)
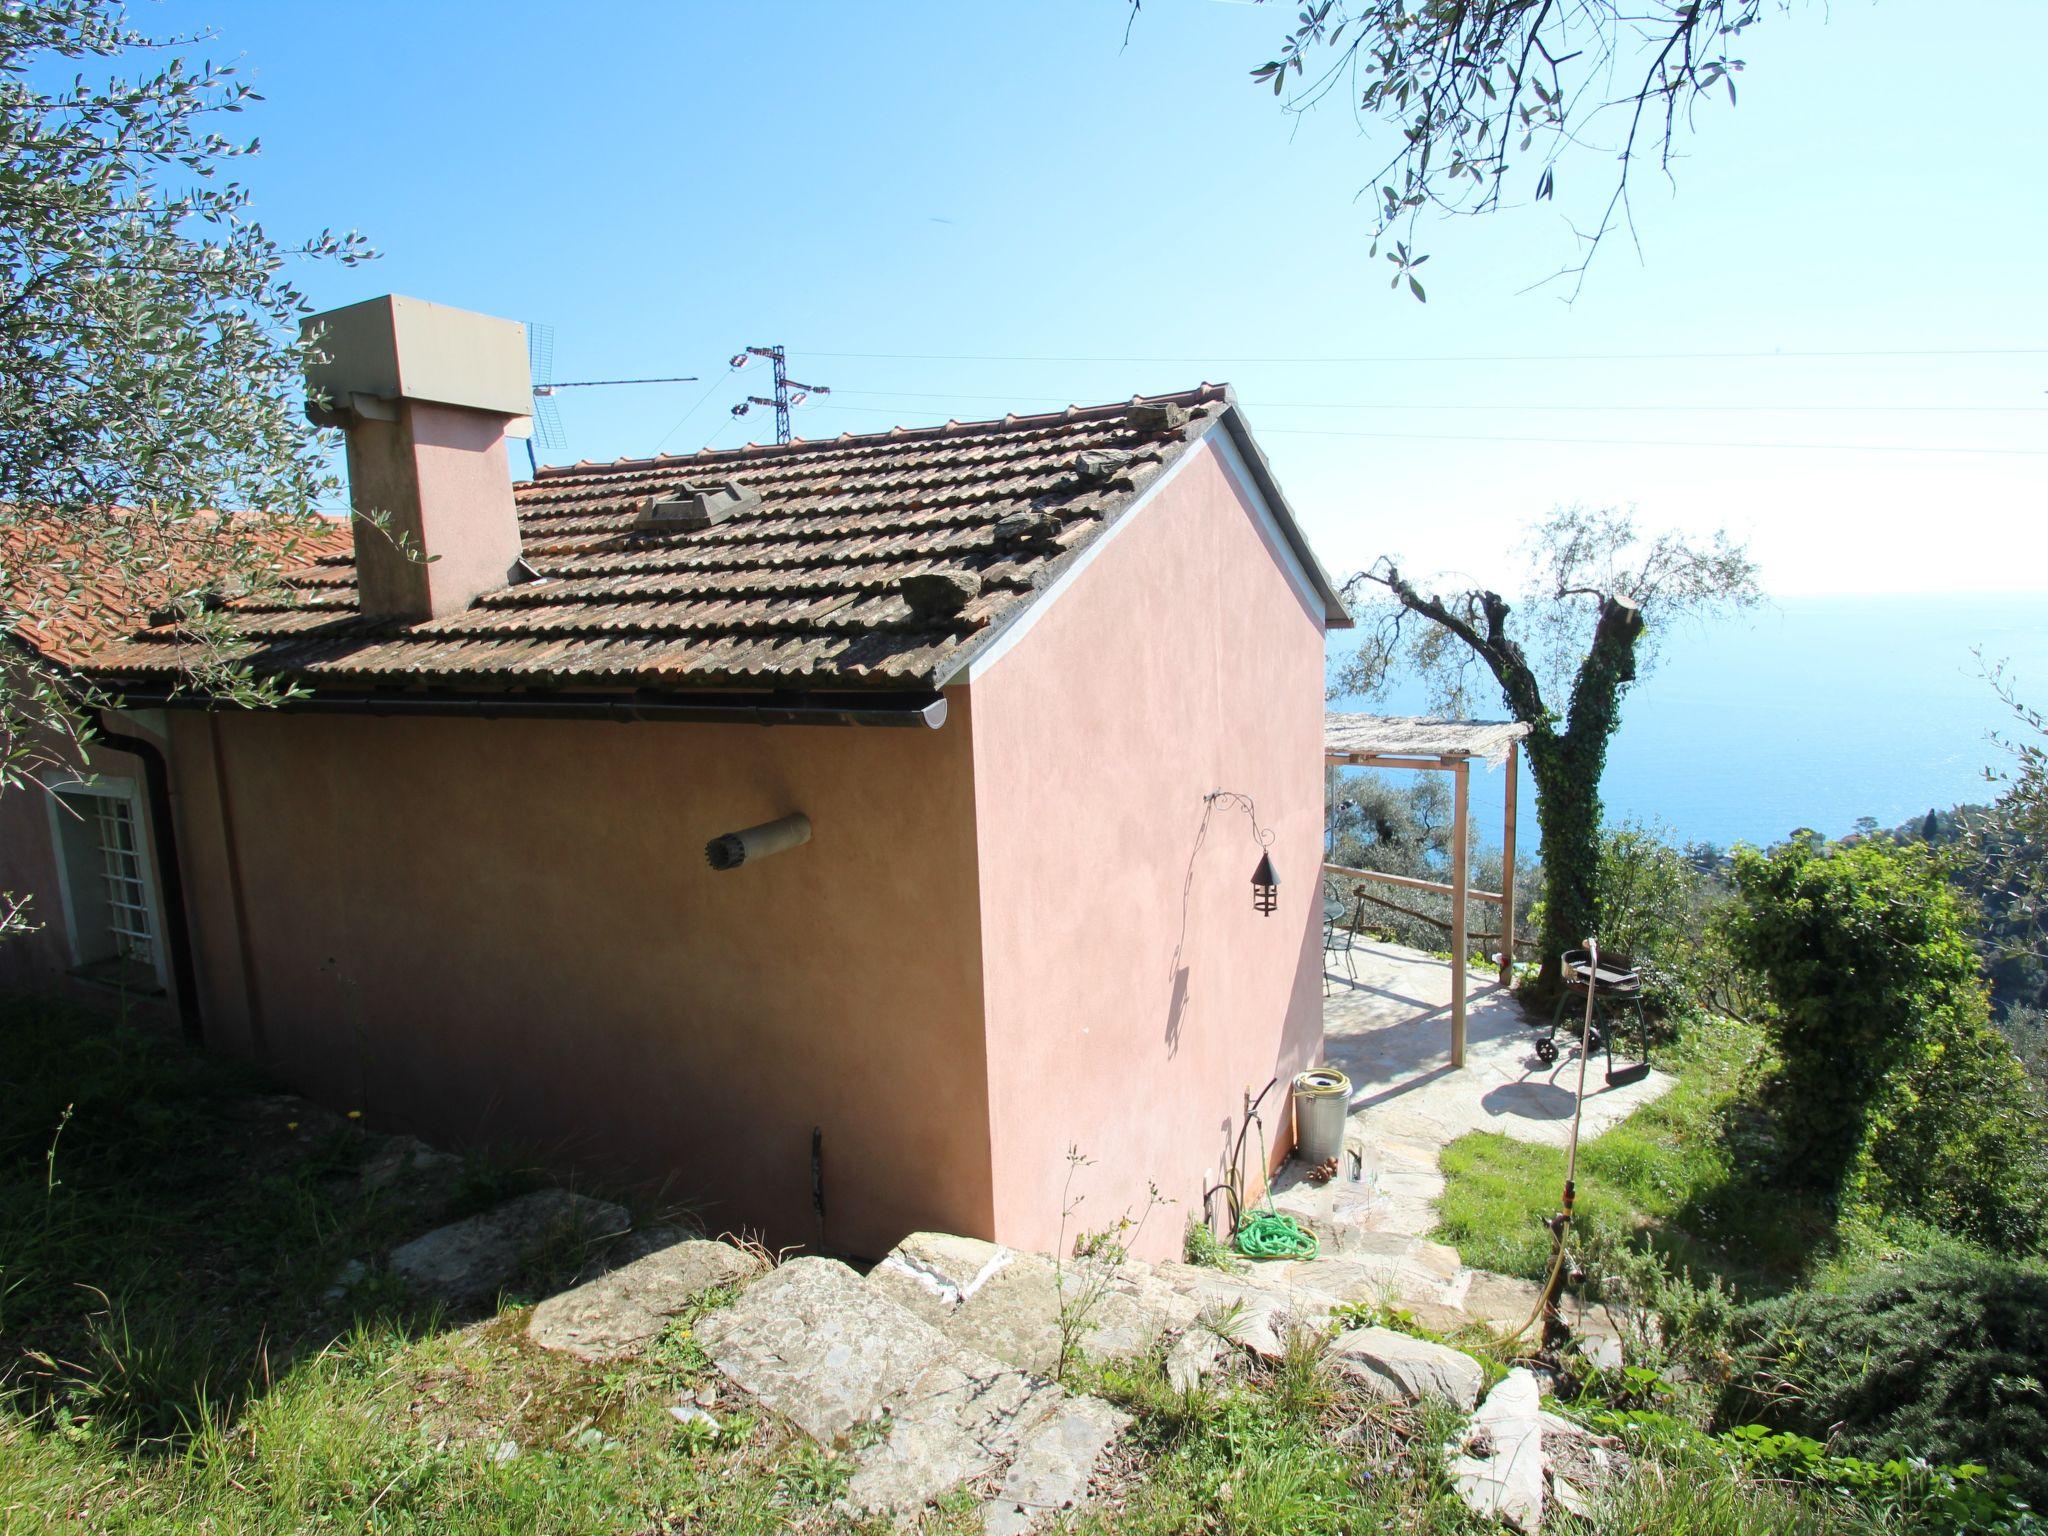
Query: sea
point(1808, 713)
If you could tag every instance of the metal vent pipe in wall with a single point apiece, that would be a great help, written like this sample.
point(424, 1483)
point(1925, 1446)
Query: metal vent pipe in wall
point(729, 850)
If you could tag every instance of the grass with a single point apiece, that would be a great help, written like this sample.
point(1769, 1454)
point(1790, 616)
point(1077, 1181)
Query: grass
point(1681, 1172)
point(172, 1360)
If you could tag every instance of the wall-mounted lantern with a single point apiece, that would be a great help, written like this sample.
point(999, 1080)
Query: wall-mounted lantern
point(1265, 886)
point(1265, 883)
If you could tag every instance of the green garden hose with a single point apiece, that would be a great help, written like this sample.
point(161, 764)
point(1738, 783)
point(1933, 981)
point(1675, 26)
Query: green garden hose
point(1268, 1234)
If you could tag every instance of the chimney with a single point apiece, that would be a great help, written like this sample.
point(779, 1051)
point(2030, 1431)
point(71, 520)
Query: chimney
point(426, 396)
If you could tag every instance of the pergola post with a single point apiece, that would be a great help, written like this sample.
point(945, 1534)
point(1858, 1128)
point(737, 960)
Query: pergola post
point(1507, 873)
point(1460, 943)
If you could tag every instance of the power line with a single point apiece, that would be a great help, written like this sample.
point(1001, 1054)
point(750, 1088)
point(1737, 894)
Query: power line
point(1596, 442)
point(1464, 357)
point(710, 390)
point(1378, 405)
point(1649, 442)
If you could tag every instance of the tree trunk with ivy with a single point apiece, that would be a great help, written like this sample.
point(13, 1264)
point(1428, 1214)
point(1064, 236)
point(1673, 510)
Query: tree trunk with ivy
point(1567, 766)
point(1566, 757)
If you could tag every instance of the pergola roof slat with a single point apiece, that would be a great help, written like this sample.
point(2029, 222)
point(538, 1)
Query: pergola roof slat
point(1421, 736)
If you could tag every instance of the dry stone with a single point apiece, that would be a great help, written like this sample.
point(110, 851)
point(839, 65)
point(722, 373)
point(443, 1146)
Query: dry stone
point(406, 1161)
point(1500, 1473)
point(1095, 465)
point(962, 1418)
point(931, 1273)
point(620, 1312)
point(1254, 1307)
point(1007, 1304)
point(1053, 1466)
point(469, 1261)
point(1579, 1462)
point(814, 1344)
point(1194, 1357)
point(1404, 1369)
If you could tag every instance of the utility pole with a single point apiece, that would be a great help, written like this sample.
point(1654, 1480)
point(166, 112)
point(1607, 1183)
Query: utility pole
point(788, 391)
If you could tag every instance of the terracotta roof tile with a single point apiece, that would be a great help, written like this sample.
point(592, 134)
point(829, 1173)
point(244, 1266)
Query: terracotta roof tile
point(804, 590)
point(68, 602)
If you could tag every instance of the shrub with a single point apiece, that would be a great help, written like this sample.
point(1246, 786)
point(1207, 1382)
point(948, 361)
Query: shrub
point(1655, 907)
point(1944, 1359)
point(1894, 1091)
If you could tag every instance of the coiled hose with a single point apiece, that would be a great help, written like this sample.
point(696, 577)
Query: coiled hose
point(1268, 1234)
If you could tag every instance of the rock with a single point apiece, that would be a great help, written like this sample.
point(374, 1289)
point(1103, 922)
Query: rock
point(687, 1414)
point(1384, 1269)
point(1007, 1304)
point(1053, 1466)
point(960, 1419)
point(1504, 1303)
point(642, 1241)
point(817, 1346)
point(1403, 1369)
point(939, 594)
point(471, 1260)
point(1194, 1357)
point(347, 1278)
point(1253, 1308)
point(1580, 1463)
point(407, 1160)
point(931, 1273)
point(504, 1451)
point(1157, 416)
point(1500, 1477)
point(1026, 531)
point(620, 1312)
point(1096, 465)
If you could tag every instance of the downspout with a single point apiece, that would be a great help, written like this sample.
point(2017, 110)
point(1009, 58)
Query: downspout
point(156, 778)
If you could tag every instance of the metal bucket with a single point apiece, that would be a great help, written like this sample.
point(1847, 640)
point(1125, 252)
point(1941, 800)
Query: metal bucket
point(1322, 1100)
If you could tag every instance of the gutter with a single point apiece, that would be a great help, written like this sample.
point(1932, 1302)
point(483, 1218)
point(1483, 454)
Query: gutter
point(926, 709)
point(156, 776)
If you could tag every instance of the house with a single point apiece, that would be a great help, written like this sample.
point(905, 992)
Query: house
point(825, 830)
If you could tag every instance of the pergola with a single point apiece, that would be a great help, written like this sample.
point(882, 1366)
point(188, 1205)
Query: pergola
point(1441, 746)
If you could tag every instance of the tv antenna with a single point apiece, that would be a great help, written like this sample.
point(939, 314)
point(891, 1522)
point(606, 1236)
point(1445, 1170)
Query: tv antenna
point(788, 391)
point(547, 416)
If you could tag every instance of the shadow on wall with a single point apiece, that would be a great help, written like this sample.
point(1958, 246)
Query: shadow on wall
point(1177, 970)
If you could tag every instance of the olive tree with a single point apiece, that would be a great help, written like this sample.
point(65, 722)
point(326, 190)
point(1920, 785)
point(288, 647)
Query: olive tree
point(1481, 103)
point(149, 357)
point(1600, 601)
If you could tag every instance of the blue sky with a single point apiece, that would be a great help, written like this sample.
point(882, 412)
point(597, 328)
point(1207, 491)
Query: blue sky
point(953, 209)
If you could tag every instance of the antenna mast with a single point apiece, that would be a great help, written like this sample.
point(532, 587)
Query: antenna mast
point(547, 419)
point(788, 391)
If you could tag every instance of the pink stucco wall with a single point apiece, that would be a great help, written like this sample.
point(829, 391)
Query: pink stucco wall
point(1179, 661)
point(507, 930)
point(1007, 937)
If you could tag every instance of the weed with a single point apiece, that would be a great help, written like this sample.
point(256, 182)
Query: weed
point(1204, 1249)
point(1086, 1272)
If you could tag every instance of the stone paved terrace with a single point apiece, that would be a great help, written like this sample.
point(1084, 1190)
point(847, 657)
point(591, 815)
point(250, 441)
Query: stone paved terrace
point(1389, 1031)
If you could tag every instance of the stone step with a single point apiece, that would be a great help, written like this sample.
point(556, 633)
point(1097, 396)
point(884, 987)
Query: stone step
point(834, 1354)
point(1009, 1304)
point(470, 1261)
point(619, 1313)
point(1402, 1368)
